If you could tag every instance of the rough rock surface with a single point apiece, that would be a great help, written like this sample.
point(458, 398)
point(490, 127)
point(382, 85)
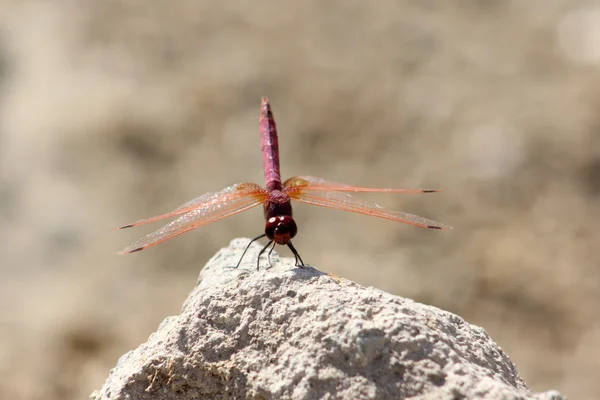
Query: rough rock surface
point(287, 332)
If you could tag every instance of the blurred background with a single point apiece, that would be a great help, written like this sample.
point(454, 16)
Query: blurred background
point(118, 110)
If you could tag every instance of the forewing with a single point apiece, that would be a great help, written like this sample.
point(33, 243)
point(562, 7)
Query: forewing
point(201, 214)
point(230, 193)
point(314, 184)
point(346, 202)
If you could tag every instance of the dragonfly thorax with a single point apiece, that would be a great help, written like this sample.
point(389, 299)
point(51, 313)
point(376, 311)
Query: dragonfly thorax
point(281, 229)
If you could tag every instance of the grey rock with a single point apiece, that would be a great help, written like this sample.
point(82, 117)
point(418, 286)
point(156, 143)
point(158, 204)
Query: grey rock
point(291, 333)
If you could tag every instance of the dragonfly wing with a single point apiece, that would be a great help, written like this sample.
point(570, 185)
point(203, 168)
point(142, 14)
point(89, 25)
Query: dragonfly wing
point(346, 202)
point(230, 193)
point(314, 184)
point(201, 215)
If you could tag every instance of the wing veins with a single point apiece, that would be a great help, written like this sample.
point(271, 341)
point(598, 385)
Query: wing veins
point(234, 192)
point(346, 202)
point(314, 184)
point(183, 225)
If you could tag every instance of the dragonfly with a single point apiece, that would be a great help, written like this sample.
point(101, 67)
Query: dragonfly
point(275, 197)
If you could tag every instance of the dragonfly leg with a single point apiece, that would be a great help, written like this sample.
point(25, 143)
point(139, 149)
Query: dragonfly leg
point(298, 258)
point(269, 256)
point(260, 254)
point(247, 247)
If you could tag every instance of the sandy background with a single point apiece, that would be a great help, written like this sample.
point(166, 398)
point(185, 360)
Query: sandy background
point(117, 110)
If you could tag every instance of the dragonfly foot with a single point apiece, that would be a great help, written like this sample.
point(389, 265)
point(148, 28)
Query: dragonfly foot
point(246, 249)
point(269, 256)
point(261, 253)
point(299, 262)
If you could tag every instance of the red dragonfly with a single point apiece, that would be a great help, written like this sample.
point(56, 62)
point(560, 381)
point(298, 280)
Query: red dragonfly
point(280, 226)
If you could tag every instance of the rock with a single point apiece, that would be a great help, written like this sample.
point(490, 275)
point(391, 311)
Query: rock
point(288, 332)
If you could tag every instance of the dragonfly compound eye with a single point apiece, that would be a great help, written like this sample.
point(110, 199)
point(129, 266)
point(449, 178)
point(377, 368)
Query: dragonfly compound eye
point(281, 229)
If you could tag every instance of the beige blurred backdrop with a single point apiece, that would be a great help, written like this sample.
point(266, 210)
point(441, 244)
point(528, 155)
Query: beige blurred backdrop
point(111, 111)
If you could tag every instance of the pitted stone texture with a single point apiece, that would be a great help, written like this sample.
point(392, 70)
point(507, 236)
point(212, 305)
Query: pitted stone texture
point(292, 333)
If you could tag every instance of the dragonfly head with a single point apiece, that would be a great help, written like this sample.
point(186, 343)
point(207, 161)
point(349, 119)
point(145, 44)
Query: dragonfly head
point(281, 229)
